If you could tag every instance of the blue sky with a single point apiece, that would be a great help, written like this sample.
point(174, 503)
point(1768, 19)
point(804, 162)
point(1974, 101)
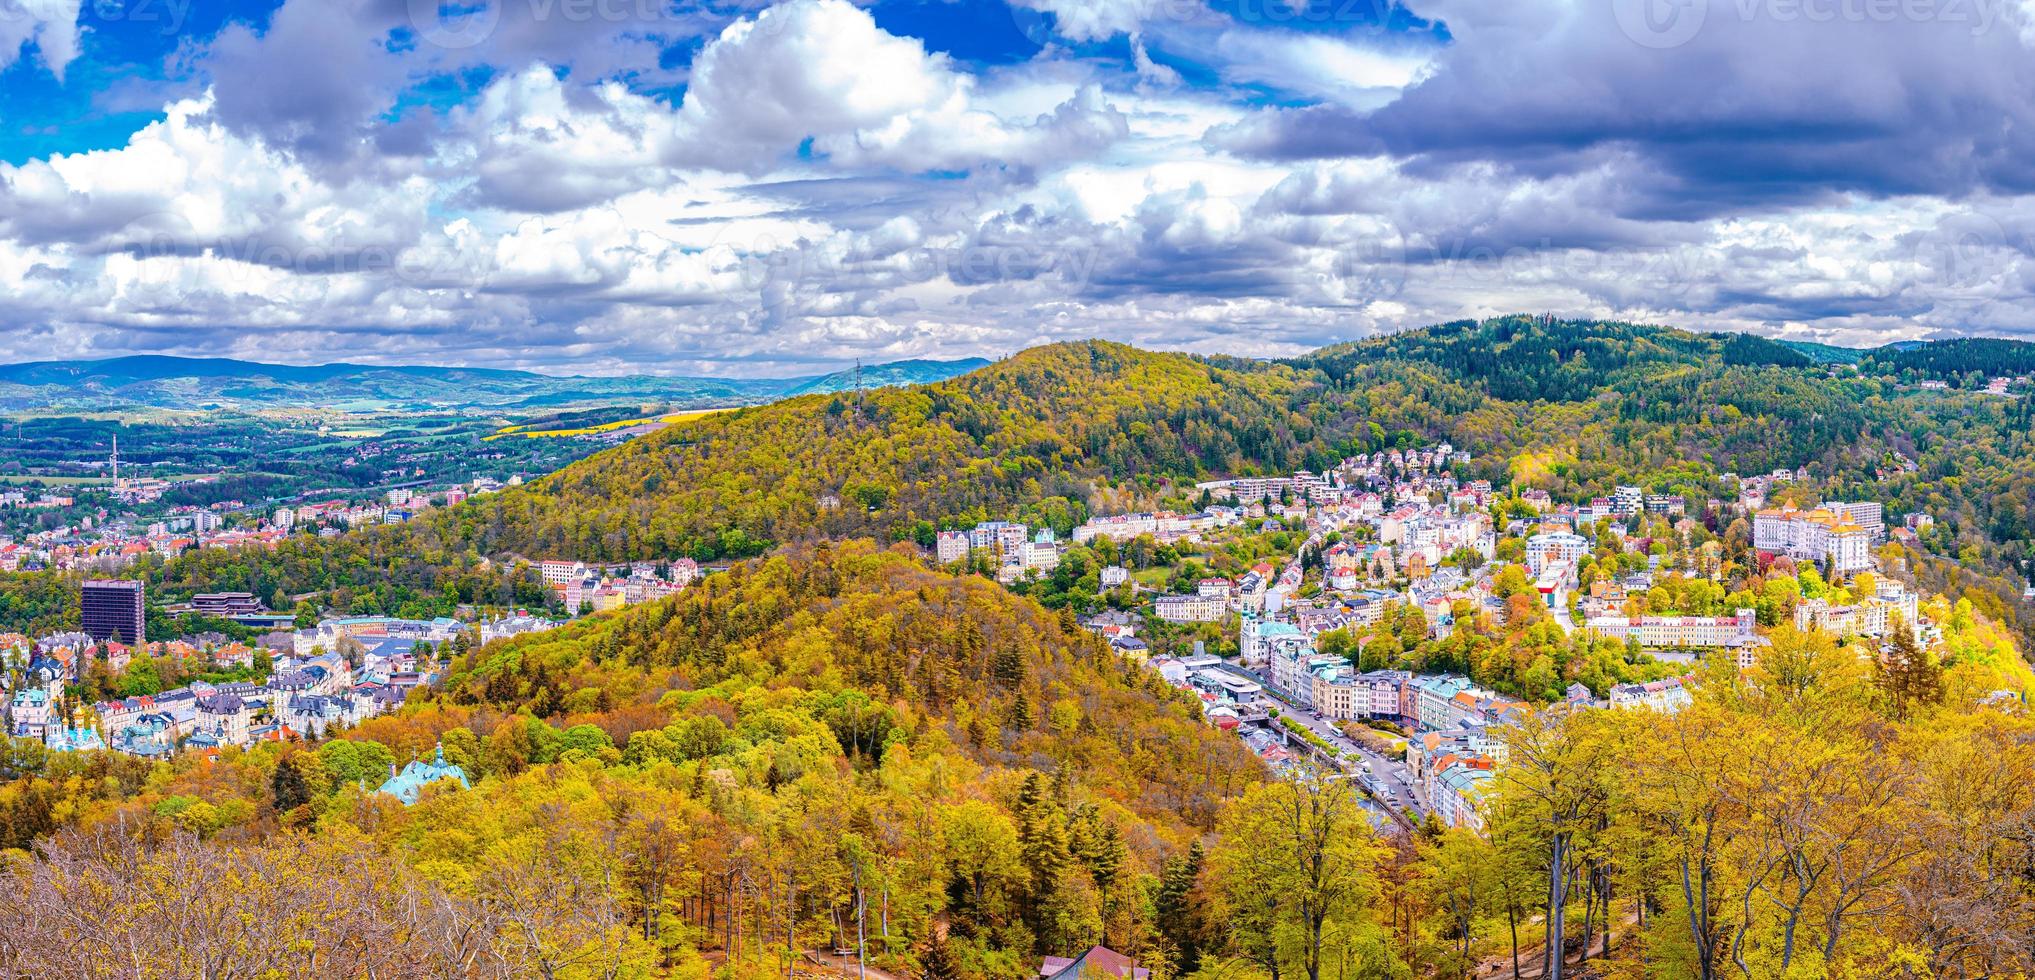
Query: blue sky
point(748, 186)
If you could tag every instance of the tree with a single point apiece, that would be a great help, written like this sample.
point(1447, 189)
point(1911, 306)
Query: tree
point(1297, 870)
point(1911, 676)
point(288, 788)
point(1457, 876)
point(1177, 907)
point(1552, 782)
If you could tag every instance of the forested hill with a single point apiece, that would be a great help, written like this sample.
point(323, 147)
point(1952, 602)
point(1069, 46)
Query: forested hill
point(768, 747)
point(1036, 435)
point(1533, 359)
point(1954, 360)
point(1029, 432)
point(1056, 433)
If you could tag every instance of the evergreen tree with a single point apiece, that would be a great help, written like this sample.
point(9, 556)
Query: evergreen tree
point(937, 961)
point(288, 786)
point(1910, 676)
point(1178, 912)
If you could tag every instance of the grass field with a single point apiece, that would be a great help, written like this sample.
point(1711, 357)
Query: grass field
point(594, 430)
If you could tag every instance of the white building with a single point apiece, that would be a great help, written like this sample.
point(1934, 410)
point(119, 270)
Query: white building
point(1189, 608)
point(1823, 535)
point(1554, 548)
point(1678, 632)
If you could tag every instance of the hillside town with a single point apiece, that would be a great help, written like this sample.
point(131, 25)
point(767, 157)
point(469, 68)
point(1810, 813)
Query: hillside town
point(1394, 538)
point(293, 681)
point(287, 685)
point(106, 541)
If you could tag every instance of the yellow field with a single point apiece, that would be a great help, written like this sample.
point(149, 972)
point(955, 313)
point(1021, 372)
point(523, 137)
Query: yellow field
point(518, 430)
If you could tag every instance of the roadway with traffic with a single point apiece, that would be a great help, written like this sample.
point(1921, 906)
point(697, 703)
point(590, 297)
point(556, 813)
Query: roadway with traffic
point(1390, 780)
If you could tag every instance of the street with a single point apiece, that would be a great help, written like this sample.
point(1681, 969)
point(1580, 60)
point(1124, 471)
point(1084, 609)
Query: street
point(1393, 775)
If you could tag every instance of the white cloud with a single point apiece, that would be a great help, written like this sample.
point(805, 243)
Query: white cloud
point(824, 189)
point(186, 184)
point(541, 145)
point(1092, 20)
point(821, 70)
point(50, 25)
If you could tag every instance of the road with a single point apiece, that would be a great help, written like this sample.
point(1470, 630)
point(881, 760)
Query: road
point(1393, 774)
point(1561, 615)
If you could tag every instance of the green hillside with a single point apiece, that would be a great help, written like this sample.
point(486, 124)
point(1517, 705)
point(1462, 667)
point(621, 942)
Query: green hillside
point(1020, 433)
point(1055, 433)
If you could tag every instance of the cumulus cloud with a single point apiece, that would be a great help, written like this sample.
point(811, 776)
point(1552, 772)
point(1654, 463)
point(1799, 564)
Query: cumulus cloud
point(821, 73)
point(187, 184)
point(541, 145)
point(1088, 20)
point(736, 186)
point(50, 25)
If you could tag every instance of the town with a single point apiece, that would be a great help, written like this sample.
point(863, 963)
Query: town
point(100, 541)
point(1302, 653)
point(291, 682)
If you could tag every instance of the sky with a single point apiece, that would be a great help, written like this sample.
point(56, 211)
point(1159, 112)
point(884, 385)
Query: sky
point(744, 187)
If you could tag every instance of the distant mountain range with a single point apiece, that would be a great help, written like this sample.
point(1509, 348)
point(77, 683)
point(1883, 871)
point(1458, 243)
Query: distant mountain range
point(185, 383)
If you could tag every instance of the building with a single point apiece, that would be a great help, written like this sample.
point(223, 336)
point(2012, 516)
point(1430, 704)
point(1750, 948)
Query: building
point(1554, 548)
point(1456, 788)
point(1189, 608)
point(113, 610)
point(1873, 616)
point(1679, 632)
point(950, 547)
point(226, 605)
point(1867, 514)
point(1827, 535)
point(1667, 695)
point(406, 785)
point(558, 573)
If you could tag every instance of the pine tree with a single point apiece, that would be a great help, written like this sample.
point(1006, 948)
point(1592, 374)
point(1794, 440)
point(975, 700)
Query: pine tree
point(1910, 676)
point(1010, 670)
point(1044, 846)
point(938, 962)
point(1174, 908)
point(288, 786)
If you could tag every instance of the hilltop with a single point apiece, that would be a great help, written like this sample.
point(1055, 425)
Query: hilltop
point(1049, 429)
point(1018, 433)
point(812, 722)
